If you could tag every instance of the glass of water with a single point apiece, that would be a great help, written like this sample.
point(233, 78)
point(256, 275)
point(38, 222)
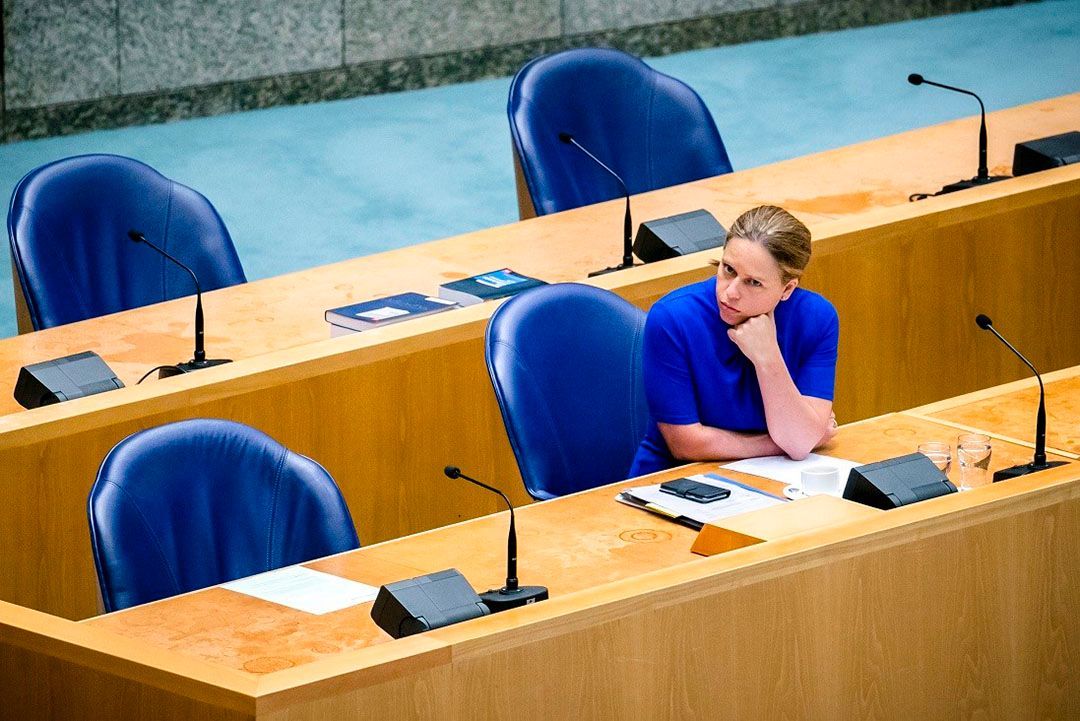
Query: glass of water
point(940, 454)
point(973, 451)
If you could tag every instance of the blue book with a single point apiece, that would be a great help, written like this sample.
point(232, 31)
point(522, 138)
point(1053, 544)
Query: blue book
point(384, 311)
point(487, 286)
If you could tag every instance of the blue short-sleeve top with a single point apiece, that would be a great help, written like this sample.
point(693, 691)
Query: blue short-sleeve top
point(694, 373)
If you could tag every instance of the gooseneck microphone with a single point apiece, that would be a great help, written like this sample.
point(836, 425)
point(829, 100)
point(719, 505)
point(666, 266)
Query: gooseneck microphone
point(511, 595)
point(628, 253)
point(982, 176)
point(199, 360)
point(1039, 463)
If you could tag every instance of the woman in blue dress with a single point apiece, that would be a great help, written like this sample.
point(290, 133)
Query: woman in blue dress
point(742, 364)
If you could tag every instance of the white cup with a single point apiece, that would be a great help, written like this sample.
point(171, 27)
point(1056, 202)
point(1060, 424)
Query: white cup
point(820, 479)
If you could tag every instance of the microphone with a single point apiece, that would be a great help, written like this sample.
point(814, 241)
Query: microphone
point(511, 595)
point(982, 176)
point(199, 360)
point(628, 257)
point(1039, 463)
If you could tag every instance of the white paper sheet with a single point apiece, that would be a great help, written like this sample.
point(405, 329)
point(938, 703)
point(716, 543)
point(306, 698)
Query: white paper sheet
point(305, 590)
point(788, 472)
point(741, 500)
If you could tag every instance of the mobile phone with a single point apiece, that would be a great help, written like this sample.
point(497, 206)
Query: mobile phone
point(694, 490)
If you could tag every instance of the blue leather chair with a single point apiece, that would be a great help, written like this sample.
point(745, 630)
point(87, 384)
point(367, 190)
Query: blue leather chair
point(204, 501)
point(68, 224)
point(650, 128)
point(565, 360)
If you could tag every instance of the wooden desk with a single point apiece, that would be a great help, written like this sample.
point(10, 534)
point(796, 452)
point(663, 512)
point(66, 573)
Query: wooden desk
point(959, 606)
point(1011, 410)
point(385, 410)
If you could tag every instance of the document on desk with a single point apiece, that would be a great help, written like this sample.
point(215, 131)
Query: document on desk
point(789, 472)
point(694, 514)
point(305, 590)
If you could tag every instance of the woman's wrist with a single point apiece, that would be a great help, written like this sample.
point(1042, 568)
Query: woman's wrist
point(769, 361)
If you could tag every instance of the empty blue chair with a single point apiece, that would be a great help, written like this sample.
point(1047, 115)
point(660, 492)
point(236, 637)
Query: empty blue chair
point(68, 224)
point(204, 501)
point(565, 361)
point(650, 128)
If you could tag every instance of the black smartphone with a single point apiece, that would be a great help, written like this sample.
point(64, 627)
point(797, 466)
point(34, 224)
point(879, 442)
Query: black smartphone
point(694, 490)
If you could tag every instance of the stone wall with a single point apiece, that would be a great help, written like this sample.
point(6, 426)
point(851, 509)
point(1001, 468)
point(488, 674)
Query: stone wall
point(74, 65)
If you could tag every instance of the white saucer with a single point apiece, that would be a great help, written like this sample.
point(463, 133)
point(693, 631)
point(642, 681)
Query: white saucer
point(794, 493)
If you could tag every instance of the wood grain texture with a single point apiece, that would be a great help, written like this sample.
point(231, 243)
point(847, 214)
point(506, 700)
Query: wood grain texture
point(52, 668)
point(385, 410)
point(842, 632)
point(1013, 413)
point(609, 543)
point(961, 606)
point(908, 291)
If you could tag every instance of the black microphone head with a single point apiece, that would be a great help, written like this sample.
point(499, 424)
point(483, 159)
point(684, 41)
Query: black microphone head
point(915, 79)
point(452, 472)
point(136, 235)
point(566, 137)
point(983, 321)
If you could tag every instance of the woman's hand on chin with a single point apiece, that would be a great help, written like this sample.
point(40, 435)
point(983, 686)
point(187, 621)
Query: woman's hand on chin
point(756, 338)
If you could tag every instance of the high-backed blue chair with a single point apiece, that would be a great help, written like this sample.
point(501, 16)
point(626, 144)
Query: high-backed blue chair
point(650, 128)
point(565, 361)
point(200, 502)
point(68, 224)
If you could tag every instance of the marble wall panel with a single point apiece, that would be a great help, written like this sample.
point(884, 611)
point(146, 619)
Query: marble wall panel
point(585, 16)
point(59, 51)
point(172, 44)
point(391, 29)
point(74, 65)
point(116, 111)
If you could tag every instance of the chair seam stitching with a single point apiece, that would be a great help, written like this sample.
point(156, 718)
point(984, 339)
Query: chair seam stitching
point(548, 416)
point(47, 219)
point(165, 240)
point(274, 506)
point(648, 130)
point(149, 527)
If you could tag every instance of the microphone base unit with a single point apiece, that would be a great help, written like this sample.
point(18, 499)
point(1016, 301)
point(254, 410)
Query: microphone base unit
point(1006, 474)
point(504, 599)
point(971, 183)
point(192, 365)
point(605, 271)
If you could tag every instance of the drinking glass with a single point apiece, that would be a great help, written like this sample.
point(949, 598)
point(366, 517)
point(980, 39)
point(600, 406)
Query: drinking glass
point(974, 457)
point(939, 453)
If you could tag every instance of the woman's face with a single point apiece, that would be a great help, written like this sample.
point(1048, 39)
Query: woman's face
point(749, 281)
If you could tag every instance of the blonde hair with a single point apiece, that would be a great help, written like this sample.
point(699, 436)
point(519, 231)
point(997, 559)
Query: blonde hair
point(782, 234)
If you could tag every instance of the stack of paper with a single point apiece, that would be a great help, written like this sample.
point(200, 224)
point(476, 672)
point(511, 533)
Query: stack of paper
point(694, 514)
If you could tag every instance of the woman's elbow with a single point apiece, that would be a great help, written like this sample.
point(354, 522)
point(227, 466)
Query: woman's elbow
point(684, 442)
point(684, 450)
point(797, 449)
point(798, 453)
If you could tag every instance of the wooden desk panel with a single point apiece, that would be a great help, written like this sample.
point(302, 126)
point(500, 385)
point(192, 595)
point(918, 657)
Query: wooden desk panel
point(401, 402)
point(958, 606)
point(947, 618)
point(570, 544)
point(1012, 411)
point(286, 311)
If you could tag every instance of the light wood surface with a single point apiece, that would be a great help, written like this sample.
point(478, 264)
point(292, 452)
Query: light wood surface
point(384, 411)
point(609, 542)
point(961, 606)
point(1012, 412)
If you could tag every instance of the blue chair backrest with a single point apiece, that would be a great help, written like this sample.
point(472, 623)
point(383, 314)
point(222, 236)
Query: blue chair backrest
point(565, 361)
point(68, 224)
point(650, 128)
point(204, 501)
